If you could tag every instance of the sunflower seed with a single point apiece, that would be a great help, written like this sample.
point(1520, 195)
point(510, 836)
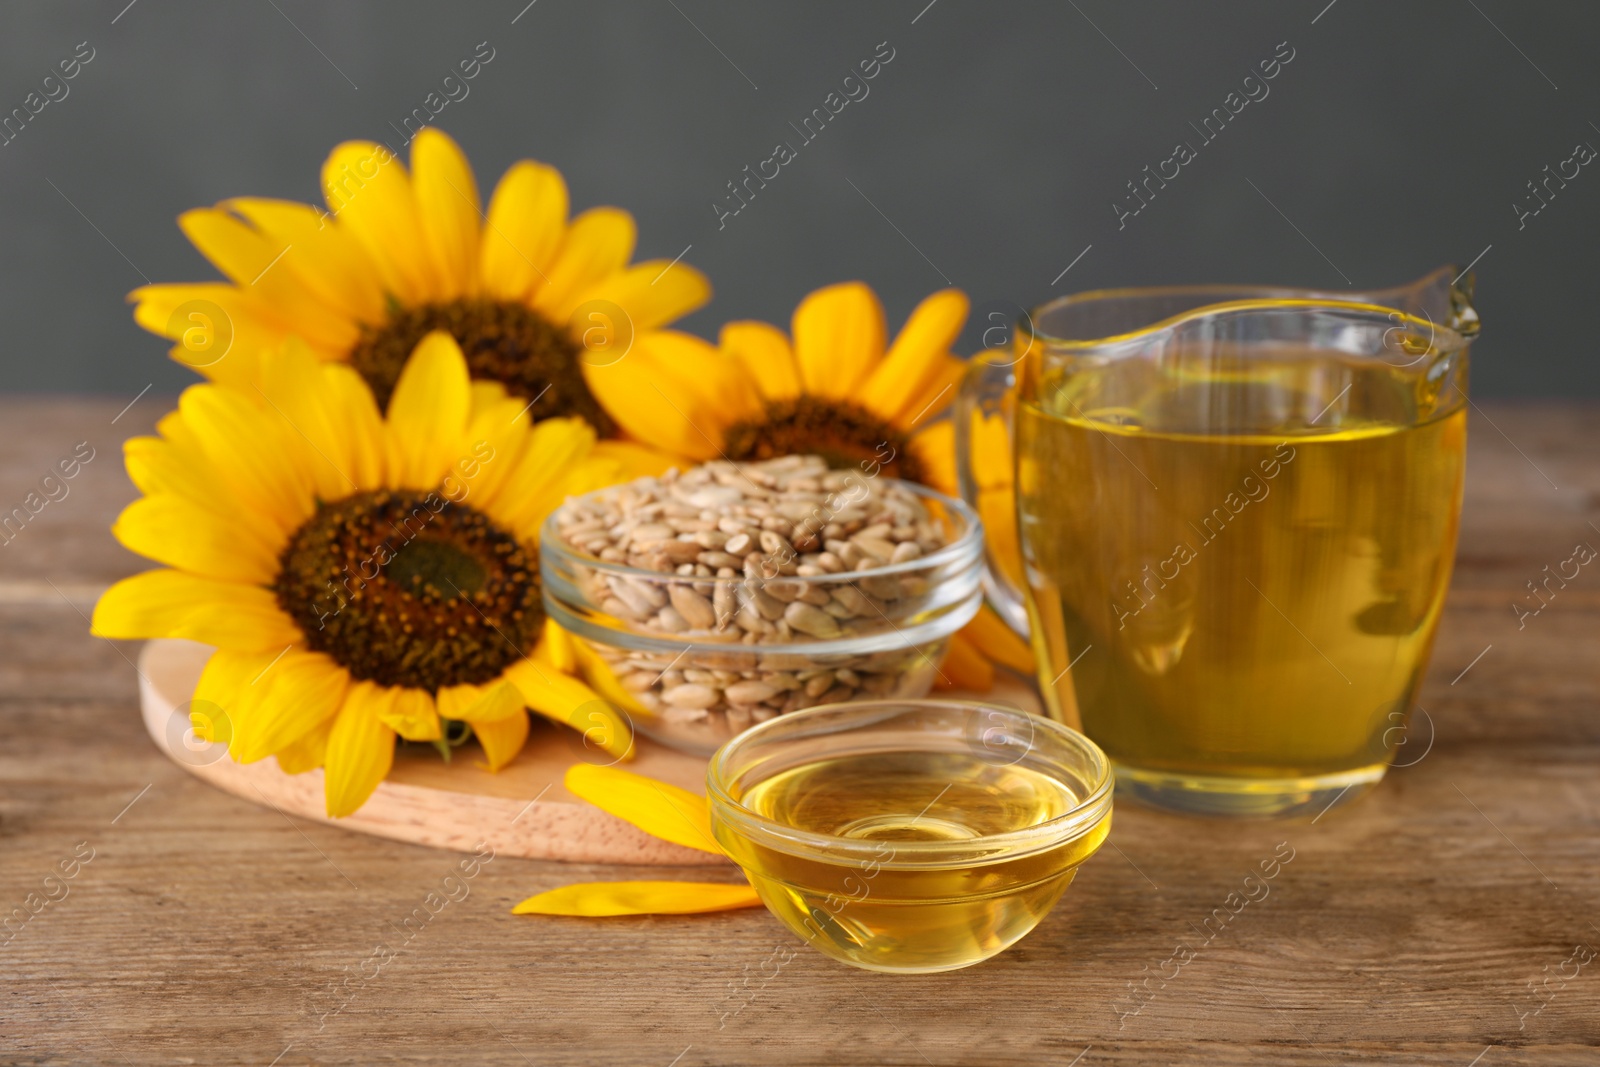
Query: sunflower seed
point(853, 600)
point(814, 594)
point(809, 619)
point(695, 608)
point(775, 543)
point(749, 692)
point(723, 604)
point(875, 546)
point(652, 532)
point(690, 695)
point(685, 551)
point(641, 599)
point(715, 496)
point(905, 551)
point(685, 715)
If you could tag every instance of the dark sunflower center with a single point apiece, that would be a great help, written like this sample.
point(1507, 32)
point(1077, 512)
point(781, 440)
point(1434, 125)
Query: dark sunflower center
point(845, 434)
point(406, 588)
point(503, 341)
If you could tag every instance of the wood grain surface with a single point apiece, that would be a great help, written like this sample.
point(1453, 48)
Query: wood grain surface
point(1450, 918)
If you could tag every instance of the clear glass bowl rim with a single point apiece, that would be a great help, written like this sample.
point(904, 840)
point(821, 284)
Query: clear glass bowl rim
point(964, 555)
point(1081, 818)
point(966, 548)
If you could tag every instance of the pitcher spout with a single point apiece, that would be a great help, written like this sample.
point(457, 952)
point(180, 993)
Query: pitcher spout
point(1443, 296)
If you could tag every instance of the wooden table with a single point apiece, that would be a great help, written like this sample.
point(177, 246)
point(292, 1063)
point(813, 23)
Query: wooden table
point(1445, 919)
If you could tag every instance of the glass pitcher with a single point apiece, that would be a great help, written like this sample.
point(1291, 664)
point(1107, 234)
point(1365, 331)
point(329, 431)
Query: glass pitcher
point(1236, 510)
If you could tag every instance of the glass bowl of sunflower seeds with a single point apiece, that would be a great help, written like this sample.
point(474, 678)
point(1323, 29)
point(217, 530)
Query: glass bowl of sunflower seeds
point(711, 599)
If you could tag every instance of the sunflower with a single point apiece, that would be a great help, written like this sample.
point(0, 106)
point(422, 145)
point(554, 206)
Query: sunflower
point(833, 386)
point(361, 576)
point(540, 306)
point(836, 390)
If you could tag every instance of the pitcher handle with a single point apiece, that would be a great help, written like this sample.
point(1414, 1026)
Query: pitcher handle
point(988, 390)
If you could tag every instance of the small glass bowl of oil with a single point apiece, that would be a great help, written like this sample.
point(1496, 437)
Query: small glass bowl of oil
point(910, 836)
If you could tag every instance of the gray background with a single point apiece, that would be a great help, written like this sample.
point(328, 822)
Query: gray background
point(988, 152)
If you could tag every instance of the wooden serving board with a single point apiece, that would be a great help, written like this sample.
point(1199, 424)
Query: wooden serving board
point(523, 810)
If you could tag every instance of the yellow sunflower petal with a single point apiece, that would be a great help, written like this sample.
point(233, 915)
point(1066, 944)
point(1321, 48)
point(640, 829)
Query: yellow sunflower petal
point(370, 194)
point(309, 752)
point(360, 753)
point(991, 452)
point(676, 393)
point(156, 465)
point(499, 438)
point(557, 648)
point(365, 455)
point(252, 445)
point(249, 620)
point(217, 693)
point(501, 739)
point(597, 470)
point(998, 510)
point(766, 353)
point(411, 713)
point(935, 447)
point(964, 667)
point(935, 394)
point(659, 809)
point(155, 603)
point(838, 339)
point(901, 380)
point(226, 691)
point(251, 259)
point(454, 699)
point(428, 413)
point(566, 701)
point(143, 457)
point(486, 394)
point(652, 293)
point(303, 689)
point(537, 481)
point(598, 899)
point(299, 388)
point(634, 460)
point(527, 220)
point(991, 466)
point(172, 530)
point(328, 260)
point(221, 331)
point(494, 704)
point(998, 642)
point(447, 207)
point(598, 244)
point(599, 674)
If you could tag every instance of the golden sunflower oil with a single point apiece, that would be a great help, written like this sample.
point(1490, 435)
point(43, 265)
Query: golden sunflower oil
point(928, 894)
point(1256, 605)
